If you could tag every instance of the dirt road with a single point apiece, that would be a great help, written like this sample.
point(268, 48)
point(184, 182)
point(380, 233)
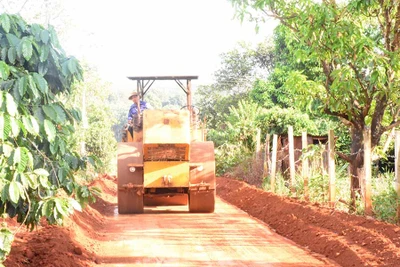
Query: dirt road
point(229, 237)
point(170, 236)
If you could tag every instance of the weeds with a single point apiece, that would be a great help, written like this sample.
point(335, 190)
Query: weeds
point(227, 156)
point(281, 185)
point(384, 197)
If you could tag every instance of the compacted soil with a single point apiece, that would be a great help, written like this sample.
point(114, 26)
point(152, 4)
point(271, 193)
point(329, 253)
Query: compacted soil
point(320, 236)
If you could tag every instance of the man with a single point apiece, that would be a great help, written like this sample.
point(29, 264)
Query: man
point(137, 107)
point(135, 115)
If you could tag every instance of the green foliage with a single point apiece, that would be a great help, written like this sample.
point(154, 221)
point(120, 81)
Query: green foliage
point(7, 237)
point(275, 91)
point(86, 195)
point(276, 121)
point(229, 155)
point(281, 97)
point(318, 188)
point(384, 198)
point(37, 164)
point(94, 136)
point(99, 139)
point(214, 104)
point(281, 185)
point(241, 124)
point(240, 66)
point(217, 136)
point(268, 94)
point(353, 48)
point(234, 80)
point(235, 139)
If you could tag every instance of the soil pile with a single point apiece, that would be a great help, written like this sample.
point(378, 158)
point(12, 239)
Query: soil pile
point(349, 240)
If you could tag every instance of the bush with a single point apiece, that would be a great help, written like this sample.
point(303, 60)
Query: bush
point(249, 170)
point(228, 156)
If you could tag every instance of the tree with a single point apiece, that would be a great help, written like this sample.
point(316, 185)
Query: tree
point(242, 123)
point(37, 164)
point(275, 91)
point(234, 80)
point(279, 97)
point(356, 44)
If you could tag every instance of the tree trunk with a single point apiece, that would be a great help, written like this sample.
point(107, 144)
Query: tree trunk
point(356, 165)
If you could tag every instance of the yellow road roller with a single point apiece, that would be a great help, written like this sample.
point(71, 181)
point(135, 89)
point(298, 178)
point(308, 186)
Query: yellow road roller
point(165, 159)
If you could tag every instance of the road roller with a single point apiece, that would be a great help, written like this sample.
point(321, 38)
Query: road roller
point(164, 158)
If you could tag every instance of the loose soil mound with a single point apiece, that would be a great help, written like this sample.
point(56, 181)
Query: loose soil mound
point(74, 244)
point(347, 239)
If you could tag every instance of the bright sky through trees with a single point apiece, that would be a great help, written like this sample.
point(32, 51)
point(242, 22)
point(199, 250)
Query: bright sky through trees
point(156, 37)
point(143, 37)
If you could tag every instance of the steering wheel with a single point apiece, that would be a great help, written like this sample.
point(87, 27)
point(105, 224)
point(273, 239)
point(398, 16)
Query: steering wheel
point(194, 109)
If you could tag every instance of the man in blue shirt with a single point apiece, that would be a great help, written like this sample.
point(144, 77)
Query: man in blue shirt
point(137, 107)
point(135, 115)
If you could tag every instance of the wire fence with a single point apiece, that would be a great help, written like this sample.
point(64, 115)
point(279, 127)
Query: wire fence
point(291, 158)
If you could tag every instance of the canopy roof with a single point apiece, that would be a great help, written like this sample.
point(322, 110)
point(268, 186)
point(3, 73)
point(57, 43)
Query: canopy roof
point(145, 82)
point(139, 78)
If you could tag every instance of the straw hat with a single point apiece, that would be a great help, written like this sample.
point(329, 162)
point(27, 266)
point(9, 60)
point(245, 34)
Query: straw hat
point(133, 94)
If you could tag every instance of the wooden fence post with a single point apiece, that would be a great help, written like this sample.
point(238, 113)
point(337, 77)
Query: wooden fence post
point(273, 164)
point(258, 145)
point(397, 171)
point(292, 167)
point(304, 167)
point(331, 168)
point(266, 156)
point(367, 171)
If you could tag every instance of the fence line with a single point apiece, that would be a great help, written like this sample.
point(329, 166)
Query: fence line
point(331, 168)
point(270, 165)
point(305, 165)
point(273, 163)
point(397, 171)
point(367, 172)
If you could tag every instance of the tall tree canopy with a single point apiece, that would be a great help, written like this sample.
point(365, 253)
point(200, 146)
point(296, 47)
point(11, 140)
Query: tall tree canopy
point(356, 44)
point(37, 163)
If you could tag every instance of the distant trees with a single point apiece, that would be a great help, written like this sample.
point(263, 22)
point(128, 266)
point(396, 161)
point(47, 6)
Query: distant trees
point(234, 80)
point(94, 137)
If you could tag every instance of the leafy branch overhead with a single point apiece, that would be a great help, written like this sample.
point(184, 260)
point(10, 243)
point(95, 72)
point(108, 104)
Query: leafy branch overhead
point(36, 162)
point(356, 44)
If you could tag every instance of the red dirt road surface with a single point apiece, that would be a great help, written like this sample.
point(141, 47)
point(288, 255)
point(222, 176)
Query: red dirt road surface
point(173, 237)
point(170, 236)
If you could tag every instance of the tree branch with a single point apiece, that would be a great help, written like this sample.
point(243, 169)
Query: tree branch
point(344, 157)
point(396, 38)
point(341, 116)
point(327, 71)
point(388, 25)
point(358, 79)
point(391, 126)
point(23, 5)
point(282, 19)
